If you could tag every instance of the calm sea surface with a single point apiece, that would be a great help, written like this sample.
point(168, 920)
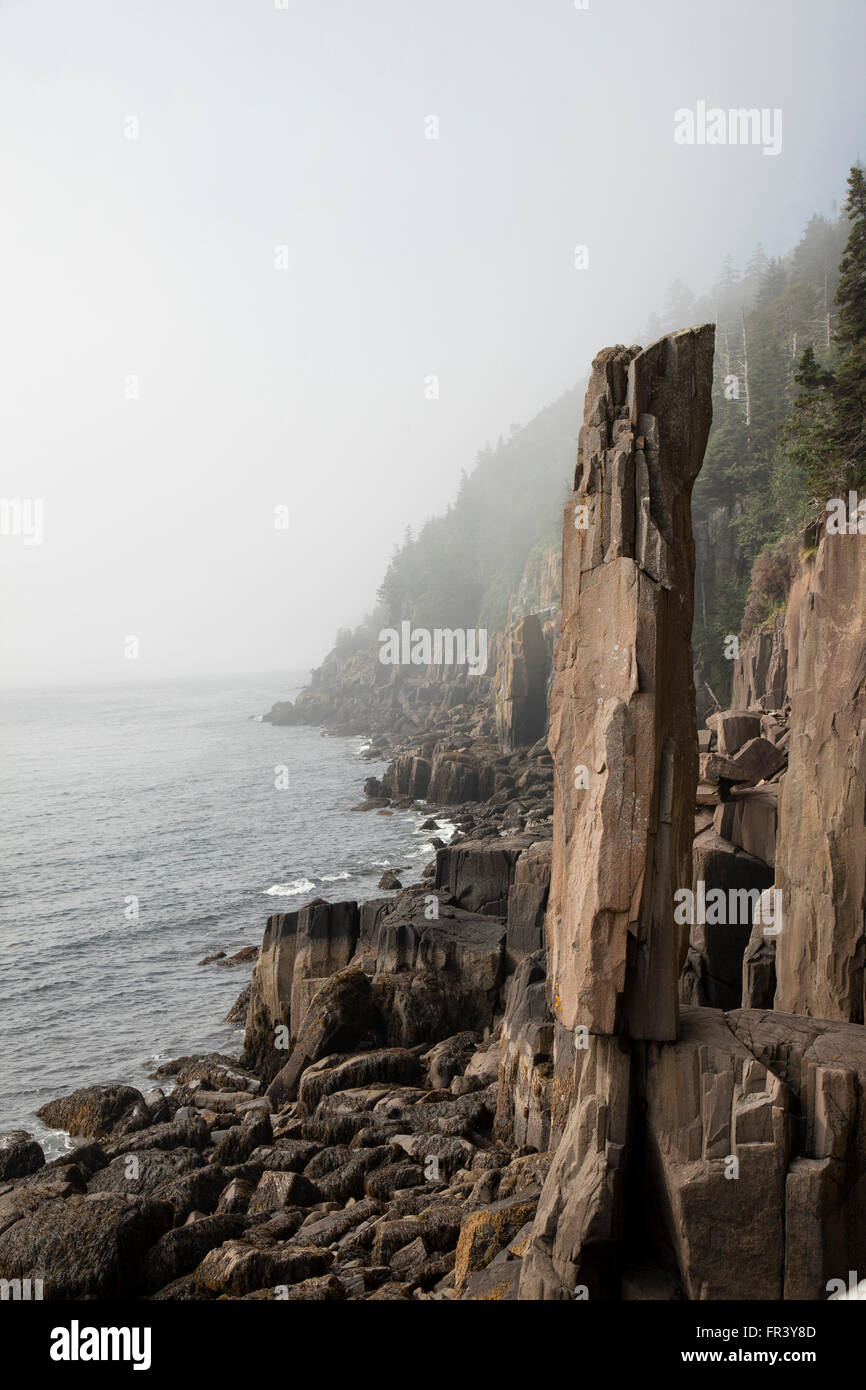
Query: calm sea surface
point(160, 798)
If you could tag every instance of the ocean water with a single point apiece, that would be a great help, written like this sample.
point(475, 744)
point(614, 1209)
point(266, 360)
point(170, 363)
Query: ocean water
point(160, 799)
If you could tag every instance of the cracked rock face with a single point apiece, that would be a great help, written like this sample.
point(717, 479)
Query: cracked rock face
point(821, 861)
point(719, 1140)
point(580, 1212)
point(622, 727)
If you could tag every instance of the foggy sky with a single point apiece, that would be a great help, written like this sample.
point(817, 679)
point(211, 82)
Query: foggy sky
point(153, 258)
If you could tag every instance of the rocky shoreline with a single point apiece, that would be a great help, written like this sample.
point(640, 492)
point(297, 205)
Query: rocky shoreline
point(527, 1077)
point(351, 1172)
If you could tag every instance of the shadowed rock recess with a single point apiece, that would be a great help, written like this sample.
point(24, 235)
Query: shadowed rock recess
point(527, 1076)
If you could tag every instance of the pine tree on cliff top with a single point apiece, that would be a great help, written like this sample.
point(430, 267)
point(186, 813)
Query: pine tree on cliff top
point(849, 389)
point(827, 431)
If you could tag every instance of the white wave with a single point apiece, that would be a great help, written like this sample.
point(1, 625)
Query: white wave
point(445, 830)
point(55, 1142)
point(422, 849)
point(381, 863)
point(334, 878)
point(289, 890)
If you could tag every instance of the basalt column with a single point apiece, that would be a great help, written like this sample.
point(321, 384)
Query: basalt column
point(622, 730)
point(821, 856)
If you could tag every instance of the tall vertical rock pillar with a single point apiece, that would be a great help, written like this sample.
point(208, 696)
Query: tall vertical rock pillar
point(622, 729)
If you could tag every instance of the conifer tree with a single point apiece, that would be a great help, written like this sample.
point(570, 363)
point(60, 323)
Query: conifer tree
point(849, 388)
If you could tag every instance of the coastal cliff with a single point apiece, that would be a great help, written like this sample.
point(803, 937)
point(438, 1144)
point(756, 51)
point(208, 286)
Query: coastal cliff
point(528, 1077)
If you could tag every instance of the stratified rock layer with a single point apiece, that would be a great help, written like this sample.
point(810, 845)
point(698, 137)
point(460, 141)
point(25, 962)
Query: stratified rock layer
point(622, 728)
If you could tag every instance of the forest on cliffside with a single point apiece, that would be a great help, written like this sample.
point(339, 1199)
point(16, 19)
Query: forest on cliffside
point(788, 382)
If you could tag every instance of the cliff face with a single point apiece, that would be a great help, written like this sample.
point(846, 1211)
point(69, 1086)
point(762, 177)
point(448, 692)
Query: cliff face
point(717, 559)
point(821, 864)
point(715, 1155)
point(622, 729)
point(761, 670)
point(356, 693)
point(432, 1104)
point(540, 586)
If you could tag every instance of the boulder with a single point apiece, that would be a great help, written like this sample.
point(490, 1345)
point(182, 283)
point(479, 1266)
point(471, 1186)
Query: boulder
point(237, 1267)
point(20, 1154)
point(142, 1173)
point(733, 728)
point(716, 768)
point(395, 1065)
point(196, 1190)
point(497, 1282)
point(180, 1250)
point(341, 1015)
point(449, 1058)
point(216, 1070)
point(186, 1130)
point(241, 957)
point(241, 1007)
point(276, 1191)
point(86, 1246)
point(238, 1142)
point(93, 1111)
point(760, 758)
point(485, 1233)
point(325, 1229)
